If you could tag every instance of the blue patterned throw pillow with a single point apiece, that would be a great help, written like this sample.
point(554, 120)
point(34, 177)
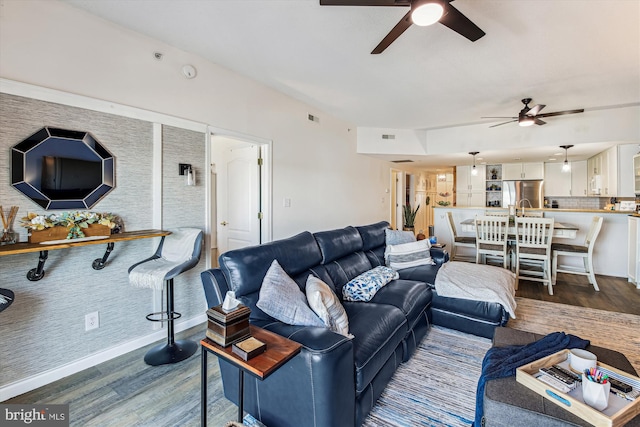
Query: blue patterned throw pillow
point(365, 286)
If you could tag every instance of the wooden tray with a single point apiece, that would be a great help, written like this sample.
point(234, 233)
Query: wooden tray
point(618, 413)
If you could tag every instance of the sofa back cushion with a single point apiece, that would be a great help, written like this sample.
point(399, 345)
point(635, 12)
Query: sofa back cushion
point(244, 269)
point(374, 241)
point(335, 244)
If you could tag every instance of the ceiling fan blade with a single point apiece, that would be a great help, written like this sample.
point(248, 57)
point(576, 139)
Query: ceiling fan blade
point(395, 32)
point(365, 3)
point(561, 113)
point(500, 124)
point(455, 20)
point(538, 121)
point(536, 109)
point(498, 117)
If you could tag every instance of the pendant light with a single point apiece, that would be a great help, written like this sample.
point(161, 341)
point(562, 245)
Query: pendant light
point(566, 167)
point(474, 171)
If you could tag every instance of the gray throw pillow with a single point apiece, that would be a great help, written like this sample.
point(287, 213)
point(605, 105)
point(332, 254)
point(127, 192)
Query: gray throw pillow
point(327, 306)
point(282, 299)
point(397, 237)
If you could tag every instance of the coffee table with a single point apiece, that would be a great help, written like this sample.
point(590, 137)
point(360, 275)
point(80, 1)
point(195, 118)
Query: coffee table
point(279, 351)
point(508, 403)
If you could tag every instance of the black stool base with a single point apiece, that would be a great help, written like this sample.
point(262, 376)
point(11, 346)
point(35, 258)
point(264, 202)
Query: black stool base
point(164, 354)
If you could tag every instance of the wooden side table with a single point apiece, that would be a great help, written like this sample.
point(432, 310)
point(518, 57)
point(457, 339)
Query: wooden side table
point(279, 351)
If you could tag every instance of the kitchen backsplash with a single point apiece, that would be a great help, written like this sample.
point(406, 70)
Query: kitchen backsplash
point(583, 202)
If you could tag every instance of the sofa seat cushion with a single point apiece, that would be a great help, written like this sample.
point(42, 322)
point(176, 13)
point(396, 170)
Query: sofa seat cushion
point(411, 297)
point(420, 273)
point(472, 309)
point(378, 330)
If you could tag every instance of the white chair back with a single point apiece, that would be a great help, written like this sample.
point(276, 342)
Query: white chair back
point(492, 233)
point(533, 237)
point(594, 230)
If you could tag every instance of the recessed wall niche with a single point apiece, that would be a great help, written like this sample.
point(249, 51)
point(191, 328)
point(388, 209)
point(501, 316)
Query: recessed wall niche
point(62, 169)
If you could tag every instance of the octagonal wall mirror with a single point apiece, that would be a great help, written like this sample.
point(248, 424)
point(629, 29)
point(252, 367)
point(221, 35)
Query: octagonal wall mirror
point(62, 169)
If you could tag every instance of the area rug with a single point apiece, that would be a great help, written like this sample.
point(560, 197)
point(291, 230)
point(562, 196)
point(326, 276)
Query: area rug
point(437, 386)
point(617, 331)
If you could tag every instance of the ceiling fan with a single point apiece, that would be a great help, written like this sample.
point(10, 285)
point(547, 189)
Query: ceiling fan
point(529, 115)
point(422, 13)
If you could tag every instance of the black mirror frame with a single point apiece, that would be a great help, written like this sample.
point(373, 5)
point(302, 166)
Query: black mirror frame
point(26, 165)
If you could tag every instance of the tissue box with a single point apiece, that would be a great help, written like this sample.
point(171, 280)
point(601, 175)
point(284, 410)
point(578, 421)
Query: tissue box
point(225, 328)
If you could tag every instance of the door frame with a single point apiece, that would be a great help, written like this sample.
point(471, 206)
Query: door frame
point(265, 184)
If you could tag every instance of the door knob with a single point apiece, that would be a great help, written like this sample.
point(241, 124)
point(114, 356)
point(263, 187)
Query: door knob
point(224, 223)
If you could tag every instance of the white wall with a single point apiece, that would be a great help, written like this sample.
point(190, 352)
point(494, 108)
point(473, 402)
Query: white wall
point(54, 45)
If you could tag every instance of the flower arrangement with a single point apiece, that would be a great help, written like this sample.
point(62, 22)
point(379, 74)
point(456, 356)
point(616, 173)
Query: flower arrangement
point(75, 222)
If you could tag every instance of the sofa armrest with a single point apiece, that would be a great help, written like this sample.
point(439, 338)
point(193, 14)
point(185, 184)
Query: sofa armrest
point(316, 387)
point(215, 286)
point(439, 255)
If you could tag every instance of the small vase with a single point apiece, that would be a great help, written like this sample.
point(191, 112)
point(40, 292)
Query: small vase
point(8, 237)
point(494, 176)
point(407, 228)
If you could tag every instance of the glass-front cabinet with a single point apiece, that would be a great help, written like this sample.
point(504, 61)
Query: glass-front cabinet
point(494, 186)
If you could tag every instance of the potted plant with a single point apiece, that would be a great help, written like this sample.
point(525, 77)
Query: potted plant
point(409, 216)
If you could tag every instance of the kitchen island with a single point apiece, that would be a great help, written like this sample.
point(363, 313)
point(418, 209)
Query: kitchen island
point(610, 255)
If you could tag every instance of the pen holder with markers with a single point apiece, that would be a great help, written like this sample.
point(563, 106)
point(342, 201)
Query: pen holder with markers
point(595, 389)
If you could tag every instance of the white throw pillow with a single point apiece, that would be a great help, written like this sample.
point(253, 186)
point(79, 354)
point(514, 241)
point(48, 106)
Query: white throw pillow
point(282, 299)
point(327, 306)
point(365, 286)
point(408, 255)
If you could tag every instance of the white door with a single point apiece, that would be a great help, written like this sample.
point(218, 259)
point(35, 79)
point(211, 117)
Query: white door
point(238, 202)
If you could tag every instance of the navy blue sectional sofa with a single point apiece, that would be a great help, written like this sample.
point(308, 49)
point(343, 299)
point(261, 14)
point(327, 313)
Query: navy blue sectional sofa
point(335, 381)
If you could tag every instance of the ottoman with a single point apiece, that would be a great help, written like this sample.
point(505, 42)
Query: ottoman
point(508, 403)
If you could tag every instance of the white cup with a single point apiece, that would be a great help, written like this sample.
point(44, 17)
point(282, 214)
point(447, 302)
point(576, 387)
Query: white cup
point(580, 360)
point(595, 394)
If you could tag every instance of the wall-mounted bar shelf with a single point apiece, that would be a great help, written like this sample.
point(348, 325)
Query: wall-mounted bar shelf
point(98, 264)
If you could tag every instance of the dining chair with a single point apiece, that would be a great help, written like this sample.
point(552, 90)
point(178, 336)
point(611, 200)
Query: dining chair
point(533, 249)
point(458, 241)
point(492, 233)
point(584, 251)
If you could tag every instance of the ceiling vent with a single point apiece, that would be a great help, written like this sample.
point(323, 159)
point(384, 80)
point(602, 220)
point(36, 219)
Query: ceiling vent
point(313, 118)
point(387, 136)
point(402, 161)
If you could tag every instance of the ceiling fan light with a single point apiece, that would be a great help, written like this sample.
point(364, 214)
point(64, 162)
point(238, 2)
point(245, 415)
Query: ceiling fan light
point(526, 121)
point(427, 14)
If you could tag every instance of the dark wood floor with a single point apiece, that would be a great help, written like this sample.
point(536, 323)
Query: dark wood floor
point(126, 392)
point(616, 293)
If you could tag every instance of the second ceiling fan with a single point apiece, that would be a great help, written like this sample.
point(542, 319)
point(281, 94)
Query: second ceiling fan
point(422, 13)
point(531, 115)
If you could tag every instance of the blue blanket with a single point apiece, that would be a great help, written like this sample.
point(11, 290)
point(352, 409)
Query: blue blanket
point(501, 362)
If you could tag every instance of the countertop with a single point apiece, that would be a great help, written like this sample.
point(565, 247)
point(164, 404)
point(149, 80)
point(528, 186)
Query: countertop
point(600, 211)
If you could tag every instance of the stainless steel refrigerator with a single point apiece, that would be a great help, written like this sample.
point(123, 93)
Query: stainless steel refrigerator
point(515, 191)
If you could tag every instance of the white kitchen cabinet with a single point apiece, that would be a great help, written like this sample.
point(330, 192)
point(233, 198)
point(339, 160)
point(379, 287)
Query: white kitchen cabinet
point(626, 169)
point(467, 182)
point(470, 189)
point(556, 182)
point(516, 171)
point(579, 179)
point(610, 173)
point(470, 199)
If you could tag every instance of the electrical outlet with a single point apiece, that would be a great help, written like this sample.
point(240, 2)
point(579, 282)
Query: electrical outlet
point(91, 321)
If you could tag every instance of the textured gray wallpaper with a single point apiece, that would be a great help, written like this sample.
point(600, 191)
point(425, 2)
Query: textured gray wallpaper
point(44, 328)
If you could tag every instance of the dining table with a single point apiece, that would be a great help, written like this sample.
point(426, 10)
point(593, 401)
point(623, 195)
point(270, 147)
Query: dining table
point(561, 230)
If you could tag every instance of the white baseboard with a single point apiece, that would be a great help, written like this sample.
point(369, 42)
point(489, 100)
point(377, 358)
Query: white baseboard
point(31, 383)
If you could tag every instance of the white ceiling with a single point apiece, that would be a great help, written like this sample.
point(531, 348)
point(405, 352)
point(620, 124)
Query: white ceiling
point(566, 54)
